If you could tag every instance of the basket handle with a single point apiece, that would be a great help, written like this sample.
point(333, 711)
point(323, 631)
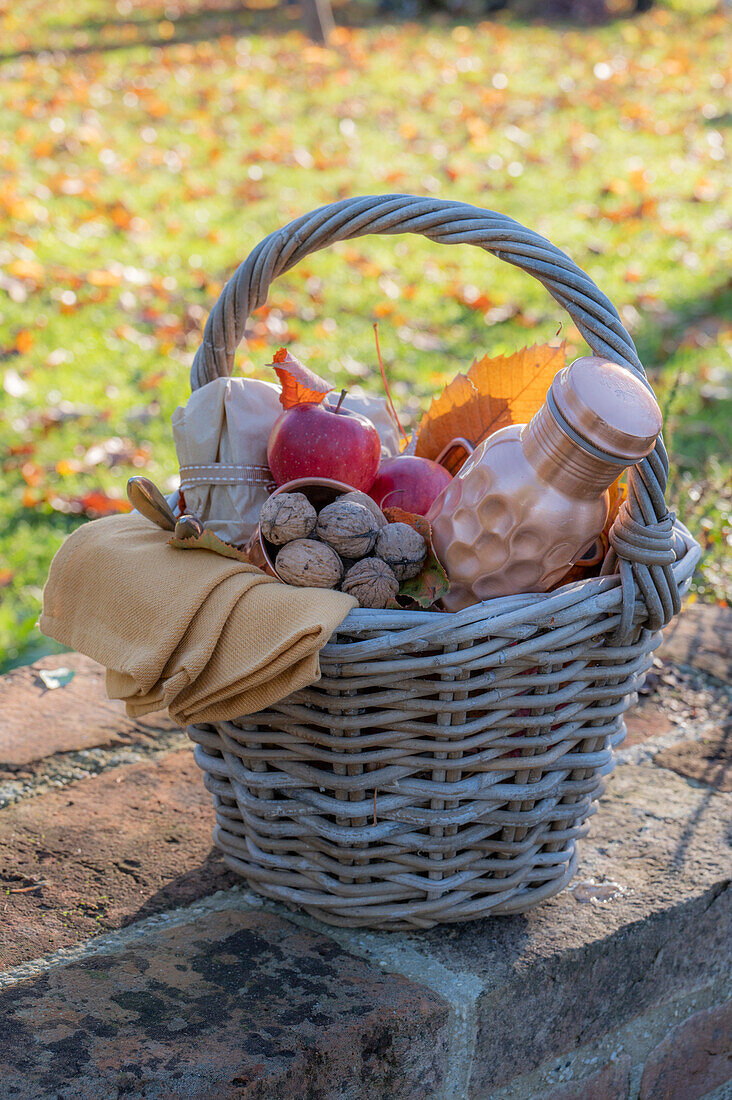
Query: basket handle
point(641, 535)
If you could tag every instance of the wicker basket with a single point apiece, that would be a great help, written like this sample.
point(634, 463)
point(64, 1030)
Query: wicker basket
point(444, 766)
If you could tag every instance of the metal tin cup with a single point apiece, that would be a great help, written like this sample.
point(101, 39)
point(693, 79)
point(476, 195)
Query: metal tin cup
point(319, 491)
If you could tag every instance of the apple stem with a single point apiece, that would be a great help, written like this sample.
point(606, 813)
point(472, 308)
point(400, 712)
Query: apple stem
point(340, 400)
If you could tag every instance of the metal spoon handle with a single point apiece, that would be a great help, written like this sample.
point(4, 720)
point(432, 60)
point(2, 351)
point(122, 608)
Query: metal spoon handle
point(150, 502)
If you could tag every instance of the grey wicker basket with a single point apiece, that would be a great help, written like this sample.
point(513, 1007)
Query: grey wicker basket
point(445, 765)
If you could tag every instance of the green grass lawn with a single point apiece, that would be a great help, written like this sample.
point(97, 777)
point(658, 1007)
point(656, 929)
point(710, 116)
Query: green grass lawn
point(146, 147)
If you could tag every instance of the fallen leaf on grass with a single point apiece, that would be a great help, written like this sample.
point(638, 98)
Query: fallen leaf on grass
point(24, 341)
point(98, 503)
point(93, 504)
point(152, 381)
point(103, 278)
point(471, 297)
point(30, 270)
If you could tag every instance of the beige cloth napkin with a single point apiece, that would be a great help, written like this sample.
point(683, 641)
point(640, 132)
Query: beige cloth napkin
point(227, 421)
point(207, 637)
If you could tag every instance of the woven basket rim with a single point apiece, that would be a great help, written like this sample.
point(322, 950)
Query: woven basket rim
point(369, 618)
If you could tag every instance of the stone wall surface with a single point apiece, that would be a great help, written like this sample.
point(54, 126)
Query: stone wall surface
point(134, 964)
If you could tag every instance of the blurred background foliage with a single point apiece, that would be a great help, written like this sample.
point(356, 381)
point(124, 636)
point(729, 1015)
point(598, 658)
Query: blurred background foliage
point(146, 146)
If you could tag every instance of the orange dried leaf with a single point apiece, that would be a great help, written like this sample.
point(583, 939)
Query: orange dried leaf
point(507, 389)
point(65, 467)
point(32, 474)
point(300, 385)
point(103, 278)
point(24, 341)
point(97, 503)
point(152, 381)
point(617, 492)
point(31, 270)
point(6, 576)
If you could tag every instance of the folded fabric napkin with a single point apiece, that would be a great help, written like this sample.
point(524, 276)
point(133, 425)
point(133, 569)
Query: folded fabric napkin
point(207, 637)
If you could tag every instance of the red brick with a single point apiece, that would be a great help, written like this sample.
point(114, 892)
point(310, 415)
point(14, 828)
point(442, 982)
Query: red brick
point(693, 1059)
point(110, 849)
point(708, 760)
point(236, 1006)
point(701, 636)
point(645, 720)
point(36, 722)
point(612, 1082)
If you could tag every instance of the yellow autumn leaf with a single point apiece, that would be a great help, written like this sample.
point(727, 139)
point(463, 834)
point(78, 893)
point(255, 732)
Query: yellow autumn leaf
point(495, 392)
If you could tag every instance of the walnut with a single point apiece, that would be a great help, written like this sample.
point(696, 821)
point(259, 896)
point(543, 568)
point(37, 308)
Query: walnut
point(372, 582)
point(403, 548)
point(286, 517)
point(357, 497)
point(309, 564)
point(349, 528)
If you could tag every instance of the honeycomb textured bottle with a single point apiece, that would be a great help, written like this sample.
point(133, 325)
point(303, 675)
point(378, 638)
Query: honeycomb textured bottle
point(532, 497)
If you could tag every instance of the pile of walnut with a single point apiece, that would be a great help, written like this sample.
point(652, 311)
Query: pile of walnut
point(349, 545)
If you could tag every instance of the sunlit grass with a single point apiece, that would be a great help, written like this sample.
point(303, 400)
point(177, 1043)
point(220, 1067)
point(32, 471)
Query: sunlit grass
point(137, 171)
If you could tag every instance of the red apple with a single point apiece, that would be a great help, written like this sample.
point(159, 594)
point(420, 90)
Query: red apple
point(312, 440)
point(409, 482)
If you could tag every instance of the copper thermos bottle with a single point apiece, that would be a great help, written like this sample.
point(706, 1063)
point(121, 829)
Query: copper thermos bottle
point(532, 497)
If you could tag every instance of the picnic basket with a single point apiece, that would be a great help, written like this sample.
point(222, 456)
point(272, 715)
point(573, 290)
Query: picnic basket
point(445, 766)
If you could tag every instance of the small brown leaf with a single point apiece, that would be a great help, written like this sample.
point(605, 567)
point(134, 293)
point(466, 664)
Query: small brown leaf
point(209, 541)
point(300, 385)
point(431, 582)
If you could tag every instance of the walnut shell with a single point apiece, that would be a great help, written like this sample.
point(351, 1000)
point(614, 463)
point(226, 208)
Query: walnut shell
point(357, 497)
point(309, 564)
point(372, 582)
point(349, 528)
point(403, 548)
point(286, 517)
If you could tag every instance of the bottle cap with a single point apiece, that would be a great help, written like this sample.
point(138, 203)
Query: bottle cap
point(608, 406)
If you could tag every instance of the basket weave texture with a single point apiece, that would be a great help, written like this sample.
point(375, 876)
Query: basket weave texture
point(445, 765)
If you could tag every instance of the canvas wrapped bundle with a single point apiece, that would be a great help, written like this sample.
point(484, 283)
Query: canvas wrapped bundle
point(221, 438)
point(445, 765)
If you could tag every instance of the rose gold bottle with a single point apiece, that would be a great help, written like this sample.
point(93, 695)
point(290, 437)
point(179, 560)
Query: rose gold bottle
point(532, 497)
